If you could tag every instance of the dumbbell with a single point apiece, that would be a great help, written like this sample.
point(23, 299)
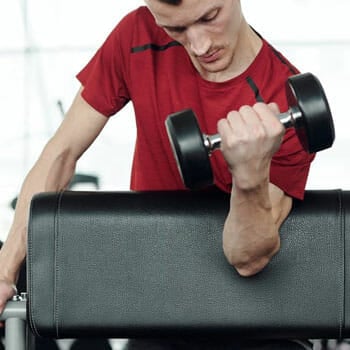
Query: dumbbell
point(309, 114)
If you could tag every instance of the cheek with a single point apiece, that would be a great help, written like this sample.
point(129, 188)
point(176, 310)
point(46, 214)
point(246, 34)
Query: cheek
point(224, 28)
point(229, 34)
point(229, 27)
point(220, 34)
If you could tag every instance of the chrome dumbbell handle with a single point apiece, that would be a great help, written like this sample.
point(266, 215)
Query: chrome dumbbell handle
point(212, 142)
point(288, 119)
point(291, 118)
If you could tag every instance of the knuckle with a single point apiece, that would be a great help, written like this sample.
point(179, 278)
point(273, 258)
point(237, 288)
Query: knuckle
point(221, 123)
point(259, 105)
point(274, 107)
point(278, 129)
point(244, 109)
point(232, 115)
point(227, 143)
point(260, 133)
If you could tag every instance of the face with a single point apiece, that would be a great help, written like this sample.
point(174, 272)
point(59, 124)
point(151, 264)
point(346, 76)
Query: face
point(209, 30)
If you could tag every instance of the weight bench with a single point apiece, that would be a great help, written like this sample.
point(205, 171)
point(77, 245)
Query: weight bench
point(150, 264)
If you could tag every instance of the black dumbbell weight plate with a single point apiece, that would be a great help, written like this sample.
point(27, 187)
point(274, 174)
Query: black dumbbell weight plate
point(315, 126)
point(188, 146)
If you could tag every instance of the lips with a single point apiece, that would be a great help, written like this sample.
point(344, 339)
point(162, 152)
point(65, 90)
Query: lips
point(211, 57)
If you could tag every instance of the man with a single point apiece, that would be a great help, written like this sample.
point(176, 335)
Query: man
point(165, 57)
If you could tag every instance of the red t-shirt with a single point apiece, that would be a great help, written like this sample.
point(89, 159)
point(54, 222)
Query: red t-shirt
point(141, 63)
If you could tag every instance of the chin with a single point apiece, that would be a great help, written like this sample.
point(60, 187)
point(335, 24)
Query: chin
point(215, 67)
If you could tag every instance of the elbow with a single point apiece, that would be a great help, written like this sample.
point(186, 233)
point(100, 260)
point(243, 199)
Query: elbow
point(250, 263)
point(250, 268)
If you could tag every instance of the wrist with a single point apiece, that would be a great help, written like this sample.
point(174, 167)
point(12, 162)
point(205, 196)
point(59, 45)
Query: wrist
point(252, 191)
point(252, 180)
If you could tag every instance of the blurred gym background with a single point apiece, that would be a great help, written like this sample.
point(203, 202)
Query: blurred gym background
point(43, 44)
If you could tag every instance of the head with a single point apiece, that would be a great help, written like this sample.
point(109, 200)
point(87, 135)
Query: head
point(209, 30)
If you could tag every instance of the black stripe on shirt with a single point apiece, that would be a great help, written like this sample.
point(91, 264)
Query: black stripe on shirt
point(283, 60)
point(154, 47)
point(255, 89)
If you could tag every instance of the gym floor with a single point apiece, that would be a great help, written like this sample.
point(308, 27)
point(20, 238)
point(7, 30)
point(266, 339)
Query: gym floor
point(118, 344)
point(67, 344)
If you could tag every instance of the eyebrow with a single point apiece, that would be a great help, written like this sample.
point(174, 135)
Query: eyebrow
point(182, 27)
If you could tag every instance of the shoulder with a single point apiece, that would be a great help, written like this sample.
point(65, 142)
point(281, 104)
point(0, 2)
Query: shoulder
point(278, 56)
point(140, 27)
point(140, 15)
point(270, 82)
point(273, 59)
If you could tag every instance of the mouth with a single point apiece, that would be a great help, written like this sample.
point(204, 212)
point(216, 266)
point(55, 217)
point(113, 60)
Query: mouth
point(210, 57)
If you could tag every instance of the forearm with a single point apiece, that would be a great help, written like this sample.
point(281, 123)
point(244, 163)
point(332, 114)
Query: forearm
point(251, 231)
point(250, 138)
point(52, 172)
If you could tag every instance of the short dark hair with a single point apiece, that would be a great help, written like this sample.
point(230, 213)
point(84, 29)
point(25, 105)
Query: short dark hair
point(171, 2)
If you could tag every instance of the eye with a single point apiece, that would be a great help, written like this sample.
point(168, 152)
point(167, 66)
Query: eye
point(210, 16)
point(175, 30)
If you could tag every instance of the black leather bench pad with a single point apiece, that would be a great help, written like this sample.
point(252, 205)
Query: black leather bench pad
point(151, 264)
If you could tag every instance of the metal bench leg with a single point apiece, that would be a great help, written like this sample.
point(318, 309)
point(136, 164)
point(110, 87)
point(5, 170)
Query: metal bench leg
point(14, 316)
point(15, 334)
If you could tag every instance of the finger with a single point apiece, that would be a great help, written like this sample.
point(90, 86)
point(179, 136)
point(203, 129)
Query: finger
point(235, 119)
point(274, 107)
point(224, 129)
point(247, 112)
point(267, 116)
point(265, 110)
point(231, 126)
point(251, 119)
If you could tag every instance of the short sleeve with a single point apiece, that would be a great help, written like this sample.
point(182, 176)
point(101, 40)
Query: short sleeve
point(104, 78)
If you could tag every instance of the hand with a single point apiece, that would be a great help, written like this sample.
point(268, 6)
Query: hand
point(249, 138)
point(7, 291)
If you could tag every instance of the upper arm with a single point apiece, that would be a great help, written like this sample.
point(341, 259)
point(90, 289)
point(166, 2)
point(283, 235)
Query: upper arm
point(81, 125)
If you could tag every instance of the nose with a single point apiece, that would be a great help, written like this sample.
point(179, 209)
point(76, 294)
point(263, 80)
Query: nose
point(199, 41)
